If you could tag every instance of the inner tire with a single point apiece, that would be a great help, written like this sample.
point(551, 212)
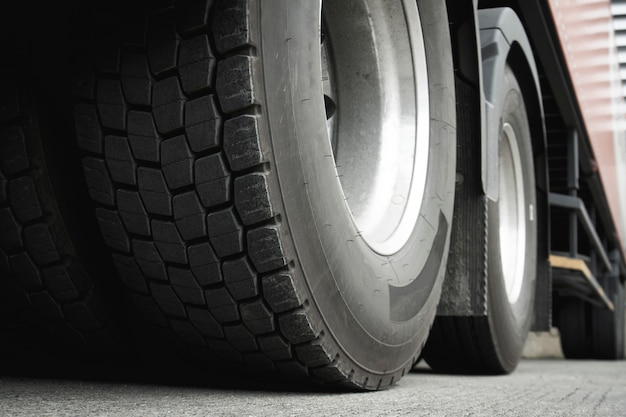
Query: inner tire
point(575, 328)
point(608, 326)
point(239, 220)
point(493, 344)
point(52, 280)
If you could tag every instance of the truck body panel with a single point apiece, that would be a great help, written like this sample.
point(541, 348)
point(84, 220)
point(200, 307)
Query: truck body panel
point(587, 39)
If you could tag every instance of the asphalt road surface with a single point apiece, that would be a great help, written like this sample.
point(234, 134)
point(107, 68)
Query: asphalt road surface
point(537, 388)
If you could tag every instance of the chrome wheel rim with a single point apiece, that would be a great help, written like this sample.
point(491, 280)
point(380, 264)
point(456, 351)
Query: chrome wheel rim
point(375, 85)
point(512, 214)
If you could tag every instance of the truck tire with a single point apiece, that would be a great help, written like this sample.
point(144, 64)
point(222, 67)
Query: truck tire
point(240, 186)
point(575, 328)
point(608, 326)
point(494, 344)
point(49, 301)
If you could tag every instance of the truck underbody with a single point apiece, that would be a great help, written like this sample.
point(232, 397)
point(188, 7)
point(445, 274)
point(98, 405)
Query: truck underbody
point(331, 190)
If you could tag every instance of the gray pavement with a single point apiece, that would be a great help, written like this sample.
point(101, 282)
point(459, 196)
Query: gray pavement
point(538, 388)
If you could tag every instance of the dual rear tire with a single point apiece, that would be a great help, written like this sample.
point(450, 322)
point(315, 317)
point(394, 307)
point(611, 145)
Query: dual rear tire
point(272, 196)
point(493, 343)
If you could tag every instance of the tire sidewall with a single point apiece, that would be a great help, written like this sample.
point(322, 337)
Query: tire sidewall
point(345, 282)
point(510, 322)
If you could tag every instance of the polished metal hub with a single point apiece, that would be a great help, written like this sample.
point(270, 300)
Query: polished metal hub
point(375, 84)
point(512, 212)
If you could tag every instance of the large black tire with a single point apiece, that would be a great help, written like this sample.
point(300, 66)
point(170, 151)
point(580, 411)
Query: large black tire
point(608, 326)
point(49, 299)
point(494, 344)
point(575, 328)
point(209, 159)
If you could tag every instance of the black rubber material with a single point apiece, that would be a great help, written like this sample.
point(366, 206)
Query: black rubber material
point(575, 327)
point(593, 332)
point(49, 302)
point(194, 126)
point(608, 326)
point(493, 344)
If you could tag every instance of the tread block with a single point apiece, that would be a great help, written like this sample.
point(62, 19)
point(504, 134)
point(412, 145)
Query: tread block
point(222, 305)
point(77, 273)
point(88, 133)
point(240, 337)
point(111, 104)
point(120, 160)
point(205, 322)
point(186, 286)
point(98, 181)
point(196, 64)
point(40, 244)
point(166, 298)
point(168, 103)
point(275, 347)
point(60, 284)
point(113, 230)
point(204, 264)
point(189, 216)
point(257, 317)
point(130, 273)
point(234, 84)
point(297, 328)
point(202, 123)
point(156, 197)
point(177, 161)
point(252, 198)
point(241, 142)
point(133, 213)
point(314, 355)
point(11, 235)
point(46, 307)
point(169, 242)
point(162, 42)
point(23, 267)
point(143, 136)
point(265, 249)
point(225, 233)
point(191, 15)
point(240, 278)
point(231, 25)
point(24, 199)
point(13, 155)
point(280, 293)
point(149, 260)
point(212, 180)
point(136, 78)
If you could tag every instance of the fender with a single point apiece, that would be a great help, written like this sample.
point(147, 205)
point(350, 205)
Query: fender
point(500, 32)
